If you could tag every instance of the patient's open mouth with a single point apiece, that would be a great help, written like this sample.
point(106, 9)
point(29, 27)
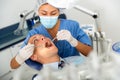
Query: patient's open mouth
point(48, 44)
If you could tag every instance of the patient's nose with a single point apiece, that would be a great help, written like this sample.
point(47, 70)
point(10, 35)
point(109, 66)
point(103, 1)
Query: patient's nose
point(42, 38)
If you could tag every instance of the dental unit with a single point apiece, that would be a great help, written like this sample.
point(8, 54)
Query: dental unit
point(21, 27)
point(98, 39)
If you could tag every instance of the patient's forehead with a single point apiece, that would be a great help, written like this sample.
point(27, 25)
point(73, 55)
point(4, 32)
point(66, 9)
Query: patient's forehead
point(39, 36)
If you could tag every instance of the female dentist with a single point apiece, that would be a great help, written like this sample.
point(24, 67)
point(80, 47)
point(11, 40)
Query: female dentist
point(70, 38)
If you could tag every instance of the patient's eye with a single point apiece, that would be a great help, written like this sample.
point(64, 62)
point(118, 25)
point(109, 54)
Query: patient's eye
point(36, 40)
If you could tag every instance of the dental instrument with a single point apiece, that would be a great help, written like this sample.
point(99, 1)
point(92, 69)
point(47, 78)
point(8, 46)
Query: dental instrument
point(84, 10)
point(99, 36)
point(54, 39)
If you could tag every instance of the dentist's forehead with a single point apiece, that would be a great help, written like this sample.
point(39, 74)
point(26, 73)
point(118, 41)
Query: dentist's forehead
point(47, 7)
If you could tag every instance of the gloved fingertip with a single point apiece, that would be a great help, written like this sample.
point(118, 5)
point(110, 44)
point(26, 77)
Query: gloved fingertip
point(29, 43)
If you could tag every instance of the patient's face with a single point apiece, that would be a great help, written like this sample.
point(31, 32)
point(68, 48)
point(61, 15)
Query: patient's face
point(45, 47)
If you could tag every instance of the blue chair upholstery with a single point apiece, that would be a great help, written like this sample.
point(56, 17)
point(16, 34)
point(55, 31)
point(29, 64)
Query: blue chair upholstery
point(116, 47)
point(33, 64)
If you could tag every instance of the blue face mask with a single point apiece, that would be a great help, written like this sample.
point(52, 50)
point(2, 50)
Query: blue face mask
point(48, 21)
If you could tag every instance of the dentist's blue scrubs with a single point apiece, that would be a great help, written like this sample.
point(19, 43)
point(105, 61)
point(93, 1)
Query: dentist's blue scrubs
point(64, 48)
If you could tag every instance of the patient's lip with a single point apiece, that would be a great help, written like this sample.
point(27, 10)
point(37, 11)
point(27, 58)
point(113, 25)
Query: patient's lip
point(47, 43)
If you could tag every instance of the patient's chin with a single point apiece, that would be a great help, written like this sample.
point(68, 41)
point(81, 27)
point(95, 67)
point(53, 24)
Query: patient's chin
point(55, 51)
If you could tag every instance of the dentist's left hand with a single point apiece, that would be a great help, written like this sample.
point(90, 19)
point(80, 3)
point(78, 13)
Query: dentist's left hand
point(27, 51)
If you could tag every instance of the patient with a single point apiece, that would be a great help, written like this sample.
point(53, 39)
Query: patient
point(44, 52)
point(39, 49)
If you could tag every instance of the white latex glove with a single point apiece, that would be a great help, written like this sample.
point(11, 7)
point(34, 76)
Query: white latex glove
point(66, 35)
point(25, 53)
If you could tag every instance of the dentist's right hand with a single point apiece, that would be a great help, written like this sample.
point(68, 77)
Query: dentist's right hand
point(27, 51)
point(66, 35)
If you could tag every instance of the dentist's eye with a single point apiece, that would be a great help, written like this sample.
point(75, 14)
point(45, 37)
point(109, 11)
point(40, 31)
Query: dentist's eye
point(44, 14)
point(53, 14)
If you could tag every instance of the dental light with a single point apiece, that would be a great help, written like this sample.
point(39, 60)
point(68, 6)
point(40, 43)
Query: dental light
point(86, 11)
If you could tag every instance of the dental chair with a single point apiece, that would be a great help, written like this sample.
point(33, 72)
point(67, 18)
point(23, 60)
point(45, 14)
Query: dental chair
point(34, 64)
point(37, 65)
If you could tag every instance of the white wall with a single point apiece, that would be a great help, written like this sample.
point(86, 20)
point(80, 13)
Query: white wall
point(109, 11)
point(10, 10)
